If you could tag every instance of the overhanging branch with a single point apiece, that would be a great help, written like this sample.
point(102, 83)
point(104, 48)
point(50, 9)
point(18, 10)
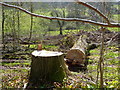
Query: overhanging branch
point(63, 19)
point(95, 9)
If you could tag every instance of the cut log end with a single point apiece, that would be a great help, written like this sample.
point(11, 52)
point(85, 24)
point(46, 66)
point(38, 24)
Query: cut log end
point(76, 55)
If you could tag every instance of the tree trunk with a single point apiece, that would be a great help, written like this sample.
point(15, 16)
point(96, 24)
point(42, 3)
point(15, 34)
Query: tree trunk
point(47, 66)
point(14, 32)
point(31, 26)
point(61, 30)
point(18, 26)
point(101, 59)
point(3, 33)
point(76, 56)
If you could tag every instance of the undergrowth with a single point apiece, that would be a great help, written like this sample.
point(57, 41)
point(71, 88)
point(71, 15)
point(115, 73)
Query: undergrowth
point(15, 75)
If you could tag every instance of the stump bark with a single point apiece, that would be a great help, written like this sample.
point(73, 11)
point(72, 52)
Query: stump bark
point(47, 66)
point(76, 56)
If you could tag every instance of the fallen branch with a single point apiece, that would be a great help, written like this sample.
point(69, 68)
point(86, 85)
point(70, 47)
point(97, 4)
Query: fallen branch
point(63, 19)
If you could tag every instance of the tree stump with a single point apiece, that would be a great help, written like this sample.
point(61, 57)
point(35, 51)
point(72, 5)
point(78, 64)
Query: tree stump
point(76, 56)
point(47, 66)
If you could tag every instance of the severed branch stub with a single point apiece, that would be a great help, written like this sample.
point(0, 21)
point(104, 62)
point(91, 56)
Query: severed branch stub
point(46, 66)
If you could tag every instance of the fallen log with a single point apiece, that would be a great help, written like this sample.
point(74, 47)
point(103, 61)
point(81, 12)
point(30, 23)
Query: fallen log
point(47, 66)
point(77, 55)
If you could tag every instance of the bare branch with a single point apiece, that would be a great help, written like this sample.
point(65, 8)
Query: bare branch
point(63, 19)
point(95, 9)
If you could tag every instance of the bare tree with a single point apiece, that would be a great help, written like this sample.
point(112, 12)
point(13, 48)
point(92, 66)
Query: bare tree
point(18, 25)
point(31, 22)
point(3, 34)
point(14, 31)
point(76, 10)
point(101, 59)
point(60, 23)
point(106, 23)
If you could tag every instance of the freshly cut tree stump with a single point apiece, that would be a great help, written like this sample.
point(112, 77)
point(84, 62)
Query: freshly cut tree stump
point(76, 56)
point(47, 66)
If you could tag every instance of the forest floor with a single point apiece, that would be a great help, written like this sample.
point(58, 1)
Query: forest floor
point(15, 72)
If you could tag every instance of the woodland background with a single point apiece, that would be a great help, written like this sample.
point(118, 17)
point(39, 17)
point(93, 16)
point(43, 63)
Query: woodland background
point(21, 33)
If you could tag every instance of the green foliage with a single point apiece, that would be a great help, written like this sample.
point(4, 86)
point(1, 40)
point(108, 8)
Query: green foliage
point(14, 78)
point(49, 46)
point(33, 46)
point(111, 64)
point(94, 51)
point(64, 32)
point(15, 75)
point(114, 29)
point(16, 64)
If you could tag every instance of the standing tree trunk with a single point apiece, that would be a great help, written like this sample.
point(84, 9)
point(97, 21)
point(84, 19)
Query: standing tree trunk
point(101, 60)
point(18, 25)
point(3, 20)
point(47, 66)
point(61, 33)
point(60, 23)
point(14, 32)
point(31, 26)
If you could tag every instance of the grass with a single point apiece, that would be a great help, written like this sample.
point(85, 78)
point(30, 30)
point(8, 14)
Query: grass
point(14, 78)
point(15, 64)
point(111, 64)
point(17, 77)
point(114, 29)
point(116, 17)
point(64, 32)
point(52, 33)
point(95, 51)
